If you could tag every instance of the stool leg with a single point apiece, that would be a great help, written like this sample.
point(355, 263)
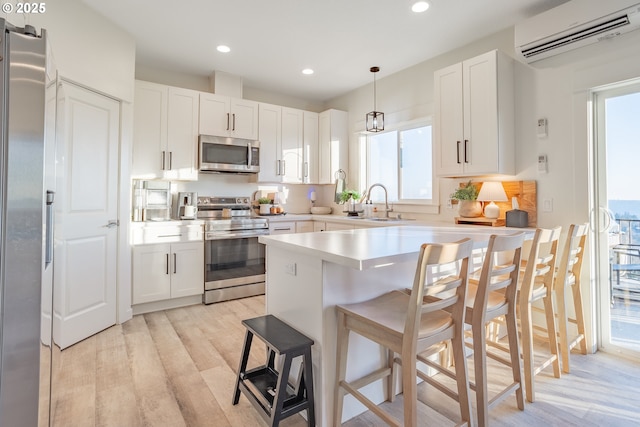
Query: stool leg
point(281, 392)
point(341, 368)
point(243, 364)
point(308, 383)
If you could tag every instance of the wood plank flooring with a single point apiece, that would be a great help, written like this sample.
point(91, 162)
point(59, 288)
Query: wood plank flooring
point(177, 368)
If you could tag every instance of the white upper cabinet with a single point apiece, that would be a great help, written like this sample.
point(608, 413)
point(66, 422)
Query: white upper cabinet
point(333, 144)
point(310, 148)
point(270, 135)
point(474, 117)
point(165, 131)
point(224, 116)
point(292, 134)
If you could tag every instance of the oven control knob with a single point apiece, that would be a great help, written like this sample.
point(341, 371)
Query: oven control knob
point(245, 200)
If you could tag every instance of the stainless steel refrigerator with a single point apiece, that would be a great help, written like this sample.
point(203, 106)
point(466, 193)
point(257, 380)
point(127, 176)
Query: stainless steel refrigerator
point(26, 229)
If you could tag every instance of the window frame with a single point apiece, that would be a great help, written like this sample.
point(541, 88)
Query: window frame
point(364, 162)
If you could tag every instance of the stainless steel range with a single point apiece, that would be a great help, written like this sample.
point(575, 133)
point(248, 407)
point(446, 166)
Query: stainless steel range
point(234, 261)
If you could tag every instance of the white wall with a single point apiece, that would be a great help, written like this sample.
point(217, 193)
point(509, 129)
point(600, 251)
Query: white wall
point(88, 49)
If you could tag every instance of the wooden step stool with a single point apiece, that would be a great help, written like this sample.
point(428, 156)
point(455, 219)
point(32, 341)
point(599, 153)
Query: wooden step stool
point(267, 389)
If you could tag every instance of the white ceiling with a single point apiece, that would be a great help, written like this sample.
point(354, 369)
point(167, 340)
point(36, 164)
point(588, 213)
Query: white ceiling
point(273, 40)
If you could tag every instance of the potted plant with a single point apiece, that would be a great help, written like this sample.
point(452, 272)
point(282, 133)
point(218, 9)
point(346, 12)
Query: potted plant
point(350, 197)
point(468, 206)
point(265, 205)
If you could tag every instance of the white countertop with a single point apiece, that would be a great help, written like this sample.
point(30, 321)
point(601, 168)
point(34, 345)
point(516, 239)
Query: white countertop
point(372, 247)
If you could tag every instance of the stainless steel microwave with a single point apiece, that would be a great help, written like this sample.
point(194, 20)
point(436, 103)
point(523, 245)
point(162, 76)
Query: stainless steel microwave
point(232, 155)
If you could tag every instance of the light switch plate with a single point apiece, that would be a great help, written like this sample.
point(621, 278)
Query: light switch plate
point(542, 128)
point(290, 268)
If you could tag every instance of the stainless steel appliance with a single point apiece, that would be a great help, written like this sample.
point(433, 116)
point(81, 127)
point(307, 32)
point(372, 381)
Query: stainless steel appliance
point(186, 205)
point(151, 200)
point(27, 184)
point(231, 155)
point(234, 260)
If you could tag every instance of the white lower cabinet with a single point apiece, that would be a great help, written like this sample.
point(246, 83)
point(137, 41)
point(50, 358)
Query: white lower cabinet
point(304, 227)
point(167, 270)
point(331, 226)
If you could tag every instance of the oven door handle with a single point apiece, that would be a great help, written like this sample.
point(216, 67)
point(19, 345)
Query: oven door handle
point(237, 235)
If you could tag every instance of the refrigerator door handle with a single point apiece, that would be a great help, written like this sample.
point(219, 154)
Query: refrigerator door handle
point(48, 256)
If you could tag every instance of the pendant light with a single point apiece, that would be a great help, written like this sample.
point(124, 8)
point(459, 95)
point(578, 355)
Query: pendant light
point(375, 119)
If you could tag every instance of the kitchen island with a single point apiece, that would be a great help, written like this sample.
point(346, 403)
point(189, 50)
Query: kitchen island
point(308, 274)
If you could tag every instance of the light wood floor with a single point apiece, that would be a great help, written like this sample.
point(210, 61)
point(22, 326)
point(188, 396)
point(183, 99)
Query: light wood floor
point(177, 368)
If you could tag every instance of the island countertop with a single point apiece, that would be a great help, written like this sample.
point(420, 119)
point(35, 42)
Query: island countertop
point(372, 247)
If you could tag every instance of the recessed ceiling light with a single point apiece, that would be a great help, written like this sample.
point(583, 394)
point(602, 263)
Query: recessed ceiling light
point(307, 71)
point(224, 49)
point(420, 6)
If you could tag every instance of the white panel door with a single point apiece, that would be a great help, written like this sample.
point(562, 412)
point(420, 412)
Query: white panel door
point(215, 118)
point(86, 245)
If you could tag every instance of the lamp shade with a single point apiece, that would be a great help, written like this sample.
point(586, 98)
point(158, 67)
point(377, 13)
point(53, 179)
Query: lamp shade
point(492, 192)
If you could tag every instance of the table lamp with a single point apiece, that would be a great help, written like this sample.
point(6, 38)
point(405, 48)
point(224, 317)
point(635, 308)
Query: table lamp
point(492, 191)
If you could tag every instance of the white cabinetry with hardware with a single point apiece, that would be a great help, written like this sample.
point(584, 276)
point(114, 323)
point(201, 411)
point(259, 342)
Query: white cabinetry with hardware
point(474, 117)
point(270, 135)
point(165, 132)
point(167, 264)
point(225, 116)
point(167, 270)
point(282, 133)
point(292, 134)
point(333, 144)
point(310, 148)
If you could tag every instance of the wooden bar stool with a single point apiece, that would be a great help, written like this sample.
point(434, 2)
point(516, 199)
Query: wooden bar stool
point(267, 389)
point(536, 284)
point(408, 324)
point(494, 296)
point(568, 277)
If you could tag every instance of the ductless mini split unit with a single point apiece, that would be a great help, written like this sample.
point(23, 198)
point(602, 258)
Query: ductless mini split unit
point(574, 24)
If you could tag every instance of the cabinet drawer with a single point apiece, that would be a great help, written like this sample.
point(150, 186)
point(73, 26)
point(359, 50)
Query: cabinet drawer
point(282, 227)
point(166, 234)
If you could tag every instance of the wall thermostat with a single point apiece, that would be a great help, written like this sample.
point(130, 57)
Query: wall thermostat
point(542, 128)
point(542, 163)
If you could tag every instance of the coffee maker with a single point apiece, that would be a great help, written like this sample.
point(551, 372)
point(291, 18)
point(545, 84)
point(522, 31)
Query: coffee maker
point(187, 206)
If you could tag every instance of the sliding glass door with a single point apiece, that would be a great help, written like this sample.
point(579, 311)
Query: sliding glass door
point(617, 217)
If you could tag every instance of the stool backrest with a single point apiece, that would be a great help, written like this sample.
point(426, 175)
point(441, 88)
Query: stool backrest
point(570, 263)
point(496, 277)
point(441, 293)
point(541, 262)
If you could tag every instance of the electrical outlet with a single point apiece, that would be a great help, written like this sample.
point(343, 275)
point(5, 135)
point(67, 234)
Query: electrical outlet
point(547, 205)
point(290, 268)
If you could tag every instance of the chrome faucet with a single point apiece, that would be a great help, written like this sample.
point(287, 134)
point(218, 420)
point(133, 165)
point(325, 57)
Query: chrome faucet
point(386, 198)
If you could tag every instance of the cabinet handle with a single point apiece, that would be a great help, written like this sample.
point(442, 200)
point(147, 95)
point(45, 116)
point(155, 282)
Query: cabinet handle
point(465, 151)
point(167, 263)
point(162, 161)
point(227, 121)
point(277, 167)
point(458, 152)
point(170, 160)
point(174, 263)
point(306, 169)
point(234, 122)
